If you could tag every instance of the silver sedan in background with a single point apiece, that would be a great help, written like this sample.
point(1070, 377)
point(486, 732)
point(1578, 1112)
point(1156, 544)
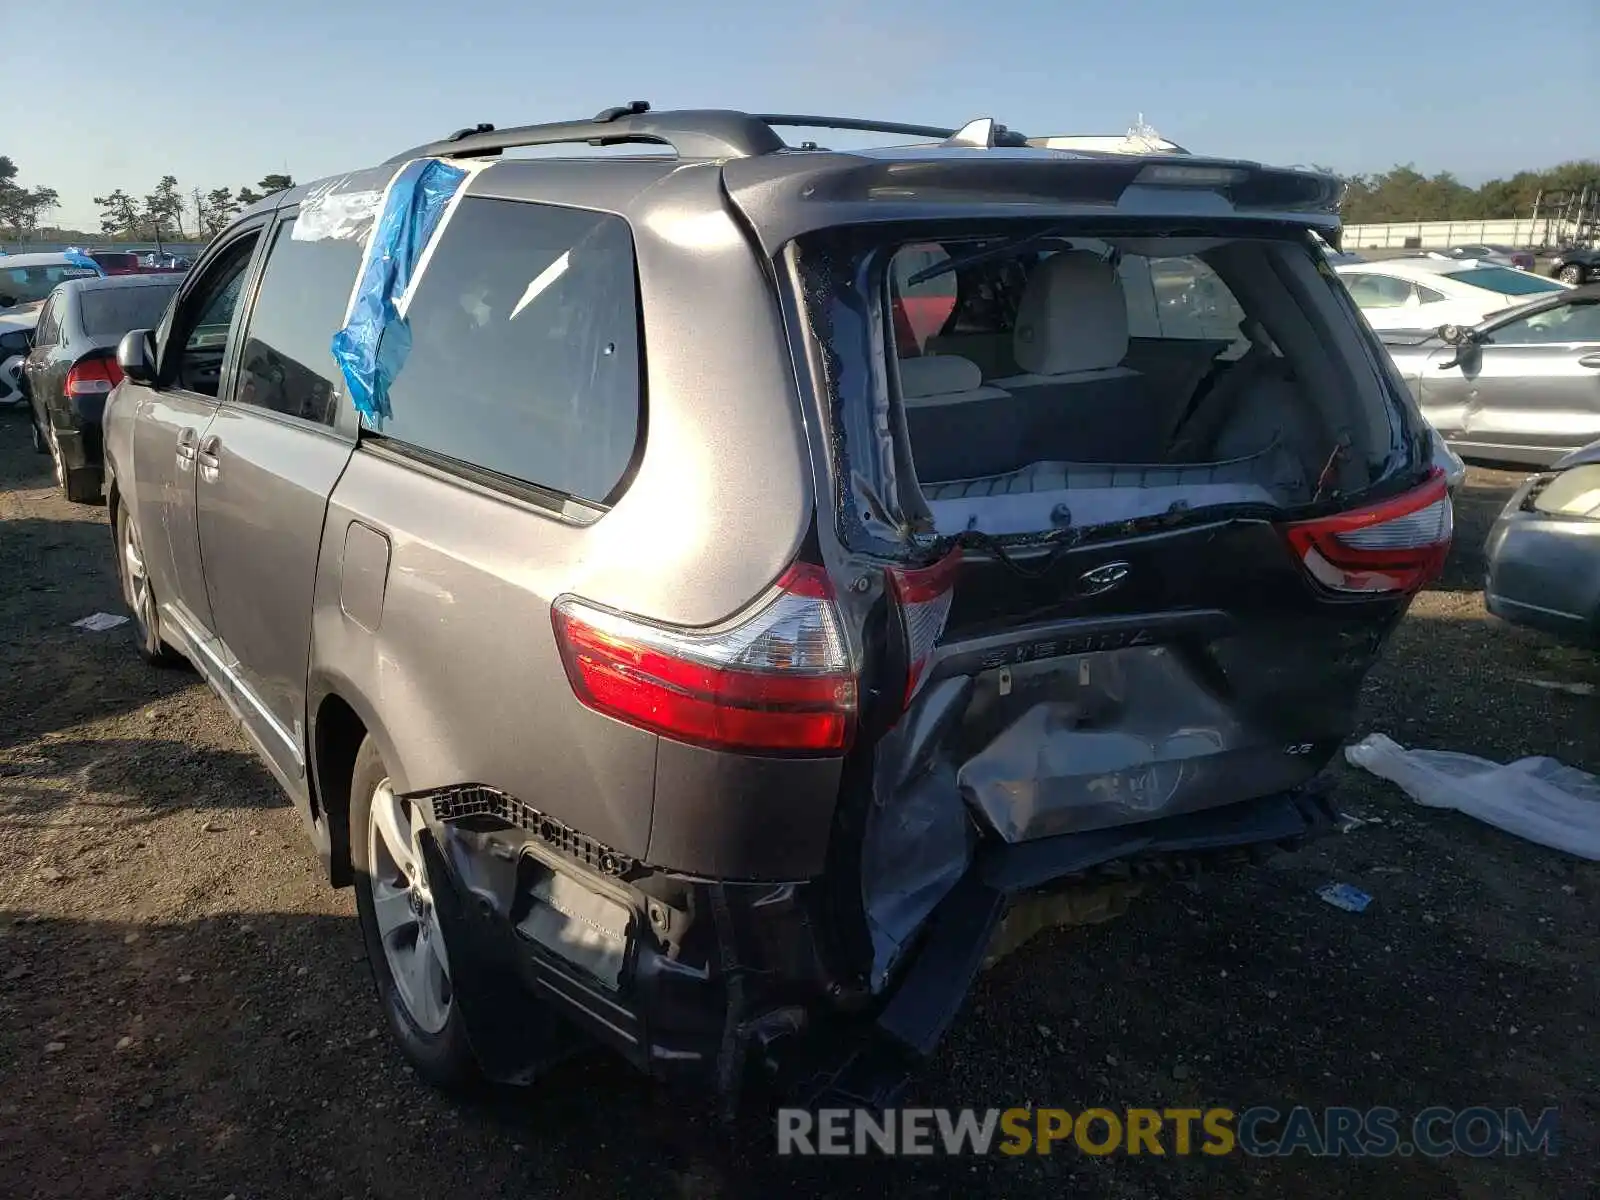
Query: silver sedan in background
point(1522, 387)
point(1544, 552)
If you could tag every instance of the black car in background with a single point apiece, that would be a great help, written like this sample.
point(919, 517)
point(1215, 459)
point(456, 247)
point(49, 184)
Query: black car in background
point(72, 368)
point(1576, 265)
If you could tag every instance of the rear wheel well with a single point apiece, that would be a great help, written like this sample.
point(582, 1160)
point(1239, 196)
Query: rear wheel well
point(339, 734)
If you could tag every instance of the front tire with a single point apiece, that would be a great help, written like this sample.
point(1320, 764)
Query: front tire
point(1571, 273)
point(404, 941)
point(139, 595)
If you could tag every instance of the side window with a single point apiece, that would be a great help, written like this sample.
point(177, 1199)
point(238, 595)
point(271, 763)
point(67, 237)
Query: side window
point(525, 356)
point(1553, 326)
point(919, 309)
point(48, 331)
point(1427, 295)
point(286, 364)
point(1379, 291)
point(1178, 298)
point(204, 320)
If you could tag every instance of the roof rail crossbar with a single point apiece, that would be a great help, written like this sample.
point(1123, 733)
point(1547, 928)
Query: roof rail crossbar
point(1002, 135)
point(691, 133)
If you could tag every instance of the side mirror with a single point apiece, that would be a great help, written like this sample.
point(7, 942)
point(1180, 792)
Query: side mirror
point(136, 355)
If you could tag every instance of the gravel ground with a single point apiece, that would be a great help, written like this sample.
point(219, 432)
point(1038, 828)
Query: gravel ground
point(185, 1009)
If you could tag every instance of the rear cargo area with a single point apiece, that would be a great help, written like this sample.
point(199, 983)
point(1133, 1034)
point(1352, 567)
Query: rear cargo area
point(1078, 380)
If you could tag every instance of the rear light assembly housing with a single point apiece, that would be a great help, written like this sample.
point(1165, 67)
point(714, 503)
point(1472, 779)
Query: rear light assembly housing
point(778, 679)
point(94, 376)
point(1398, 545)
point(924, 595)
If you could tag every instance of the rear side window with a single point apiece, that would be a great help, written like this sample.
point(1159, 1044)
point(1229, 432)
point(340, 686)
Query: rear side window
point(116, 310)
point(1177, 297)
point(1505, 280)
point(1379, 291)
point(525, 354)
point(287, 364)
point(921, 303)
point(48, 330)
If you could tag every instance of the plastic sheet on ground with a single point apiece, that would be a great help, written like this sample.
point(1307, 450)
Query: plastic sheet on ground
point(372, 347)
point(1537, 798)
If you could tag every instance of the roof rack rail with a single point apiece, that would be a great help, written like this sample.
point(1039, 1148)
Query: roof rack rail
point(691, 133)
point(1002, 135)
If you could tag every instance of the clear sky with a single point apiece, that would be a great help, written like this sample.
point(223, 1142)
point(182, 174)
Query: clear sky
point(221, 92)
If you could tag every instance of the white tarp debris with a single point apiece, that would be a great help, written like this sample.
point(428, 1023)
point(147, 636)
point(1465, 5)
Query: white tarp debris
point(347, 216)
point(99, 622)
point(1536, 798)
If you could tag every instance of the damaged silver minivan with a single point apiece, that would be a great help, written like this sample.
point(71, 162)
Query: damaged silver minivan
point(716, 600)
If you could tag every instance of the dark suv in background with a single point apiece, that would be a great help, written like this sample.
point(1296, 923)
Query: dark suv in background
point(714, 599)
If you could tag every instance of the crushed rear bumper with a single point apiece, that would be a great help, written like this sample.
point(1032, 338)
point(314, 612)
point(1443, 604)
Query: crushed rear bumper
point(710, 979)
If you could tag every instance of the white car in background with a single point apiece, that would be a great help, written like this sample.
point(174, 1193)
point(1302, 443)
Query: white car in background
point(1425, 293)
point(16, 338)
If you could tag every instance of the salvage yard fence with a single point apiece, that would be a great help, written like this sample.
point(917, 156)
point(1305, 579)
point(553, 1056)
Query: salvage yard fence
point(1417, 235)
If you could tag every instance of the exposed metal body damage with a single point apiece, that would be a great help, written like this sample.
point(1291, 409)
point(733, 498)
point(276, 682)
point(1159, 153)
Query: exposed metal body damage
point(726, 986)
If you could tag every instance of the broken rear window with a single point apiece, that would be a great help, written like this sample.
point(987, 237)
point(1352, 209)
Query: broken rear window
point(1055, 364)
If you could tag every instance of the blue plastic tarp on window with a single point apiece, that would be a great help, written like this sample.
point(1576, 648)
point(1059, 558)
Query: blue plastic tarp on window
point(372, 347)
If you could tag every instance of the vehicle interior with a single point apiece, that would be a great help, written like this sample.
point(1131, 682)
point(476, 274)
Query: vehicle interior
point(1086, 362)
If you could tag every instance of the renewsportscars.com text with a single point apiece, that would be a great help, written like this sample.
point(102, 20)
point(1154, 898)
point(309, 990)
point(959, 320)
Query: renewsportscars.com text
point(1261, 1131)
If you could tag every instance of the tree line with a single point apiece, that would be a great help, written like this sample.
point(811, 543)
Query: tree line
point(1400, 194)
point(163, 212)
point(1406, 194)
point(22, 208)
point(167, 213)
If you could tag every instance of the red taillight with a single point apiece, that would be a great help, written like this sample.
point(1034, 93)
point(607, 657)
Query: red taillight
point(924, 595)
point(1396, 546)
point(93, 377)
point(778, 679)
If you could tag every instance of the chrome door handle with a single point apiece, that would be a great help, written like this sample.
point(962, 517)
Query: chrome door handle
point(1590, 360)
point(207, 457)
point(186, 438)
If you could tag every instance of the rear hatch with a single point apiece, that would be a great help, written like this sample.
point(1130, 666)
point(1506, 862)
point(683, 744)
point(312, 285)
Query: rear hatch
point(1144, 503)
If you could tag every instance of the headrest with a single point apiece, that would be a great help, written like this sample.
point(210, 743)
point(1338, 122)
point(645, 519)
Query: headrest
point(1072, 316)
point(938, 375)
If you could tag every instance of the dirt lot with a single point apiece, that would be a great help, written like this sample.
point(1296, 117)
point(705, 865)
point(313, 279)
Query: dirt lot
point(185, 1009)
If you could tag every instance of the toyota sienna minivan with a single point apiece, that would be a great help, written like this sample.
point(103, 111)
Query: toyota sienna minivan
point(716, 599)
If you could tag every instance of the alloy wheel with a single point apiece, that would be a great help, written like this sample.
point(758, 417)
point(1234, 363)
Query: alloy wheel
point(402, 903)
point(136, 579)
point(55, 459)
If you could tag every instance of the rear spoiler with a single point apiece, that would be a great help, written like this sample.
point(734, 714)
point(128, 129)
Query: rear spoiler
point(783, 202)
